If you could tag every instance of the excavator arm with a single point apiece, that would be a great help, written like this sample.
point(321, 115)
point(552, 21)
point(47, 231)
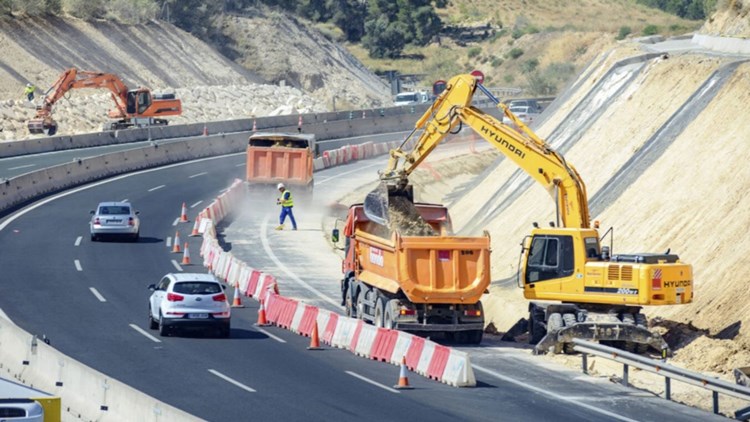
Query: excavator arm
point(74, 78)
point(453, 109)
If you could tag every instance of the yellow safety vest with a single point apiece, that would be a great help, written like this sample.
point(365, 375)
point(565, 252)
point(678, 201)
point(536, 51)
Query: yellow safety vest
point(286, 199)
point(29, 90)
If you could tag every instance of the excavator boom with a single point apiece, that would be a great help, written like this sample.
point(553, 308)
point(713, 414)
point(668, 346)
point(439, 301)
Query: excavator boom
point(452, 109)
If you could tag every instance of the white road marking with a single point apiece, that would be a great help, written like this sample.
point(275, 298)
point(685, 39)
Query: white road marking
point(124, 200)
point(223, 190)
point(320, 182)
point(176, 265)
point(156, 188)
point(169, 241)
point(142, 331)
point(196, 204)
point(375, 383)
point(240, 165)
point(22, 167)
point(176, 221)
point(78, 241)
point(97, 294)
point(231, 381)
point(198, 174)
point(266, 332)
point(285, 269)
point(78, 265)
point(542, 391)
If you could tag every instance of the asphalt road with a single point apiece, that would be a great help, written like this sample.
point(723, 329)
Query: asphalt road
point(90, 299)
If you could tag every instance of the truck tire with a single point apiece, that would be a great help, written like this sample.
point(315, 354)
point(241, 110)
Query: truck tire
point(536, 326)
point(568, 321)
point(475, 336)
point(361, 303)
point(379, 312)
point(389, 318)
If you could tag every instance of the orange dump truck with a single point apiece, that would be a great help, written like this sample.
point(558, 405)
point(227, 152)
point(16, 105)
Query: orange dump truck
point(281, 157)
point(426, 283)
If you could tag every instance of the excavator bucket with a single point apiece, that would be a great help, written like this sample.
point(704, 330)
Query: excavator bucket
point(377, 202)
point(38, 126)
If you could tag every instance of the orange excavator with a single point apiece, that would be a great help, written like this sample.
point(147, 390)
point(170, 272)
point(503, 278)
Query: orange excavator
point(136, 107)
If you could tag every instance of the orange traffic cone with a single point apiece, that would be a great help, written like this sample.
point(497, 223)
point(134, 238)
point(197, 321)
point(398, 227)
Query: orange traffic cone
point(262, 321)
point(177, 241)
point(403, 380)
point(186, 255)
point(205, 130)
point(183, 215)
point(195, 231)
point(314, 340)
point(237, 301)
point(255, 127)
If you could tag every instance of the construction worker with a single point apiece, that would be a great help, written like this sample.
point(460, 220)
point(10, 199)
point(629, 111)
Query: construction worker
point(29, 91)
point(286, 203)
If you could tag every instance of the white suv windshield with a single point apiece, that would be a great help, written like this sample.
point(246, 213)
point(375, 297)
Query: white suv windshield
point(197, 288)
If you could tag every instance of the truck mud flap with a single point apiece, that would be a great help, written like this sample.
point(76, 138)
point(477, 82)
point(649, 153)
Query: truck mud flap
point(553, 342)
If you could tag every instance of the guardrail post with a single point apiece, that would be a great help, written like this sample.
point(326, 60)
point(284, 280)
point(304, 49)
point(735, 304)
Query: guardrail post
point(667, 388)
point(715, 395)
point(625, 370)
point(585, 363)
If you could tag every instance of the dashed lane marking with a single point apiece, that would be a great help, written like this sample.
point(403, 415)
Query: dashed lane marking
point(232, 381)
point(78, 265)
point(142, 331)
point(78, 241)
point(176, 265)
point(196, 204)
point(156, 188)
point(97, 294)
point(375, 383)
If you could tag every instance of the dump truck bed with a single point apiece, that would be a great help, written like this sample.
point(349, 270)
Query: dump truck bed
point(274, 158)
point(427, 269)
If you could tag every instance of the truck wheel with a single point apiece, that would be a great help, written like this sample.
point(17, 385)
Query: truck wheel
point(554, 323)
point(640, 320)
point(361, 304)
point(350, 300)
point(536, 327)
point(628, 319)
point(379, 312)
point(568, 321)
point(389, 319)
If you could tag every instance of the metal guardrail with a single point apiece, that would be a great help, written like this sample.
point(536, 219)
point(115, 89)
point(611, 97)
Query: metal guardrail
point(669, 372)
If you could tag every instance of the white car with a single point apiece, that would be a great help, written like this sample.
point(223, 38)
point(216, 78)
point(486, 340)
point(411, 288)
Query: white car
point(189, 301)
point(114, 219)
point(410, 98)
point(522, 113)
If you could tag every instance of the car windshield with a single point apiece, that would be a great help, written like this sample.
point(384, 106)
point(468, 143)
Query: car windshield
point(114, 210)
point(519, 109)
point(197, 288)
point(406, 97)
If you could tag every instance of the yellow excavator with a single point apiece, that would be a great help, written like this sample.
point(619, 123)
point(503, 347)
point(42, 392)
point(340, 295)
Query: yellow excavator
point(598, 295)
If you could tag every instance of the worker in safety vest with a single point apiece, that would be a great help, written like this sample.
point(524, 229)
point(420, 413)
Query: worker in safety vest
point(286, 203)
point(29, 91)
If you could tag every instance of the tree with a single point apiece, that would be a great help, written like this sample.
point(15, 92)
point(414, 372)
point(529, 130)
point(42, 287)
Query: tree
point(85, 9)
point(132, 11)
point(384, 39)
point(349, 16)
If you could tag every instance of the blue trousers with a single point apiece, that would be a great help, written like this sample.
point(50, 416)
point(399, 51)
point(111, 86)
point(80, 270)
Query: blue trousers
point(284, 212)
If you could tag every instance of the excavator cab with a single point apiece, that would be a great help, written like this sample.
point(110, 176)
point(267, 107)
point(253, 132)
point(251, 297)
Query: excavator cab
point(138, 101)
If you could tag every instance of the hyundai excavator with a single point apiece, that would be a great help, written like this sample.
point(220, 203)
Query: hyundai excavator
point(597, 295)
point(136, 107)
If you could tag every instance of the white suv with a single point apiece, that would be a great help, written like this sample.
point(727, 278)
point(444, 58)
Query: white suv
point(189, 300)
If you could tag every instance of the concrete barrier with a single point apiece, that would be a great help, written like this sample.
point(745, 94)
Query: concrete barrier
point(86, 394)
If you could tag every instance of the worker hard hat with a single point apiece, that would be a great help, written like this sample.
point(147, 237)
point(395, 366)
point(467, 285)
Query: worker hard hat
point(280, 186)
point(29, 85)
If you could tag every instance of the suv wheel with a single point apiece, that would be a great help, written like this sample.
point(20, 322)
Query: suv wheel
point(163, 329)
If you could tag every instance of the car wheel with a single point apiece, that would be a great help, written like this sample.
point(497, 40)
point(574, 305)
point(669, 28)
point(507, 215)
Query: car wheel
point(224, 331)
point(152, 324)
point(94, 238)
point(163, 329)
point(136, 237)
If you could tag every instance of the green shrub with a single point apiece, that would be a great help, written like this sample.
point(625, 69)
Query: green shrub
point(496, 61)
point(529, 66)
point(474, 51)
point(517, 33)
point(515, 53)
point(650, 30)
point(624, 32)
point(508, 78)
